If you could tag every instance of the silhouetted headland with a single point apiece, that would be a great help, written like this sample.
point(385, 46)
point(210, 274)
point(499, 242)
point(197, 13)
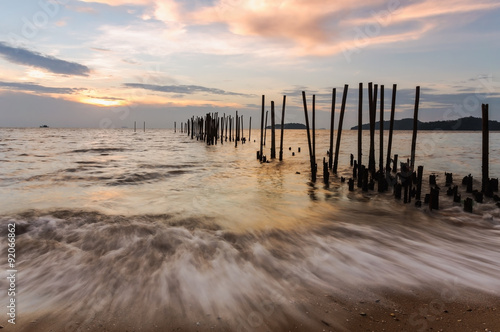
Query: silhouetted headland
point(469, 123)
point(289, 126)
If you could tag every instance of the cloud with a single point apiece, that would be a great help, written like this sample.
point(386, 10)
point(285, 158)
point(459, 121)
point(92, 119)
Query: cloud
point(33, 59)
point(32, 87)
point(182, 89)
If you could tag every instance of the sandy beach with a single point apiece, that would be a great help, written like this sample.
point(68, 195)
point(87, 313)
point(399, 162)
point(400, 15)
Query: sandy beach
point(384, 310)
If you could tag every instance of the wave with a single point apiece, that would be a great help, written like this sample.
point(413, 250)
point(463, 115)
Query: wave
point(83, 262)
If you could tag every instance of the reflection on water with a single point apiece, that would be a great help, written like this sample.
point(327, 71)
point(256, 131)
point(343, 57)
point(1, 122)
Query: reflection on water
point(154, 225)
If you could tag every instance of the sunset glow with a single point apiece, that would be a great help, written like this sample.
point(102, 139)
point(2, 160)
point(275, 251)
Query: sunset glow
point(167, 59)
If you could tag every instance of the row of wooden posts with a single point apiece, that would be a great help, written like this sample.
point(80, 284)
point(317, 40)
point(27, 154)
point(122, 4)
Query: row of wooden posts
point(406, 183)
point(214, 128)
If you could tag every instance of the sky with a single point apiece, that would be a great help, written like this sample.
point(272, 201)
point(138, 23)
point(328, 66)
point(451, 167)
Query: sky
point(108, 63)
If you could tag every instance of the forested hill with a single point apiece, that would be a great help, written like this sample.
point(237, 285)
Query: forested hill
point(289, 126)
point(468, 123)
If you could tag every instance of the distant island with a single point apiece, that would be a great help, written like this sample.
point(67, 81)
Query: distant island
point(289, 126)
point(469, 123)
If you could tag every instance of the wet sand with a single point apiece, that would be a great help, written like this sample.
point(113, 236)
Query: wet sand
point(384, 310)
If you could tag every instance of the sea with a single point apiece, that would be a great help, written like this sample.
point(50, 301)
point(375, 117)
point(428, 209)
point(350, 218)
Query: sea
point(153, 225)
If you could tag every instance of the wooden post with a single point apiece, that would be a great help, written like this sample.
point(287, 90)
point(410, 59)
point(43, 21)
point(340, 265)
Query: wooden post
point(314, 131)
point(420, 173)
point(265, 129)
point(250, 130)
point(236, 124)
point(241, 134)
point(332, 119)
point(308, 137)
point(381, 132)
point(262, 127)
point(371, 158)
point(415, 123)
point(339, 130)
point(226, 120)
point(144, 126)
point(326, 172)
point(395, 164)
point(282, 127)
point(486, 143)
point(273, 132)
point(391, 128)
point(360, 125)
point(135, 127)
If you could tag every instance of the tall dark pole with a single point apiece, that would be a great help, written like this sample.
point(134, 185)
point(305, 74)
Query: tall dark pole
point(391, 127)
point(265, 128)
point(262, 127)
point(314, 130)
point(371, 160)
point(360, 124)
point(282, 127)
point(313, 171)
point(273, 132)
point(332, 120)
point(415, 124)
point(381, 132)
point(486, 144)
point(339, 131)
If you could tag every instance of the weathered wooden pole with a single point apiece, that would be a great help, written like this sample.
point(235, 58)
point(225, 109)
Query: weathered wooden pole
point(486, 144)
point(226, 120)
point(273, 132)
point(420, 173)
point(222, 129)
point(381, 132)
point(144, 126)
point(282, 128)
point(135, 127)
point(265, 129)
point(371, 158)
point(262, 127)
point(360, 124)
point(415, 124)
point(241, 134)
point(314, 129)
point(332, 120)
point(236, 131)
point(391, 128)
point(192, 127)
point(339, 130)
point(250, 129)
point(313, 171)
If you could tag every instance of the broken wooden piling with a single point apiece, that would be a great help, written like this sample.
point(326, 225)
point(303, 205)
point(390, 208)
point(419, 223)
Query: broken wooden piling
point(273, 132)
point(262, 128)
point(360, 123)
point(339, 130)
point(282, 128)
point(313, 168)
point(391, 128)
point(381, 132)
point(415, 124)
point(485, 147)
point(332, 119)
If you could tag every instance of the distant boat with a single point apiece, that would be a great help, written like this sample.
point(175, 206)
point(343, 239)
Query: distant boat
point(44, 126)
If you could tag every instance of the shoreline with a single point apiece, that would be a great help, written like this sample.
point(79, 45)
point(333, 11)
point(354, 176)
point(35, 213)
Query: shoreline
point(391, 310)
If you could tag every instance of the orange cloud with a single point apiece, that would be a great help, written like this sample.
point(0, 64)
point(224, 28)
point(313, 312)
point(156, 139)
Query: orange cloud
point(121, 2)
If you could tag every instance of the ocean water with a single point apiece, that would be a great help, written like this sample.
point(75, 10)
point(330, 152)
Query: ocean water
point(152, 225)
